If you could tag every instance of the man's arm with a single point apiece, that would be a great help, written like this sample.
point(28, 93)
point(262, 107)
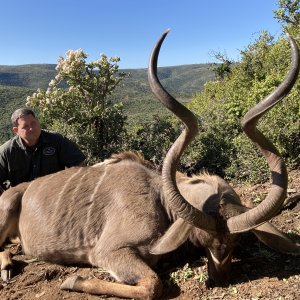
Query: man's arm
point(3, 170)
point(70, 155)
point(1, 190)
point(82, 164)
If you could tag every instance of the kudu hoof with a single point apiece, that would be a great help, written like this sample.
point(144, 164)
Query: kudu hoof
point(6, 274)
point(70, 282)
point(6, 265)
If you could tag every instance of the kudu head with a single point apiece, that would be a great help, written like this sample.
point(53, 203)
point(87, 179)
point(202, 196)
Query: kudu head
point(218, 231)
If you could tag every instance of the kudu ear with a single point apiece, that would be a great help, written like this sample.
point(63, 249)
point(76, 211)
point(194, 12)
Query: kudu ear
point(174, 237)
point(268, 234)
point(275, 239)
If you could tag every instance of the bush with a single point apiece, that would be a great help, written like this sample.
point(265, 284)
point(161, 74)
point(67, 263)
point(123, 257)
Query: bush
point(155, 138)
point(222, 146)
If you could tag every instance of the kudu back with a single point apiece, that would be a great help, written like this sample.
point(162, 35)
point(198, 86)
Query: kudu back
point(123, 215)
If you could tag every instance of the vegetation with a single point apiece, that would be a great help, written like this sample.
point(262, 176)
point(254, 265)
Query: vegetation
point(11, 97)
point(288, 13)
point(222, 104)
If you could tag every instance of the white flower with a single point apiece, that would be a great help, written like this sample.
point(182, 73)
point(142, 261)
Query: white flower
point(52, 82)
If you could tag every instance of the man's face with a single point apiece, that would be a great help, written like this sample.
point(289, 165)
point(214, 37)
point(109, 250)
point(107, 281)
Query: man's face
point(28, 130)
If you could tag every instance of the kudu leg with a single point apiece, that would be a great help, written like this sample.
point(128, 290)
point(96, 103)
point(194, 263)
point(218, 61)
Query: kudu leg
point(143, 290)
point(144, 283)
point(9, 214)
point(6, 265)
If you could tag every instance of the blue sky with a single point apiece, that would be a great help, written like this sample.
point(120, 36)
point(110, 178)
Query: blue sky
point(39, 31)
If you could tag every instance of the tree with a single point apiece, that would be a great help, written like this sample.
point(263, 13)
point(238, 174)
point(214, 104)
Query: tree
point(76, 103)
point(223, 68)
point(288, 12)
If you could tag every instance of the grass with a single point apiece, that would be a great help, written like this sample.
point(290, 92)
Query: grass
point(187, 272)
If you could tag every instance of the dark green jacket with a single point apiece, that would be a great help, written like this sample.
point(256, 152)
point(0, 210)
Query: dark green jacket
point(53, 153)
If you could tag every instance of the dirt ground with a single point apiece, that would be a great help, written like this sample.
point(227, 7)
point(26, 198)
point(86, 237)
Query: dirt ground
point(258, 272)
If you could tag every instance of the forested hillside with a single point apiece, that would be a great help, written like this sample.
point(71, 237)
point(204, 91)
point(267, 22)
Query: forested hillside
point(18, 82)
point(30, 76)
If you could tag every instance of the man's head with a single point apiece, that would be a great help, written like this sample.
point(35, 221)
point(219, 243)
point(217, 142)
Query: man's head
point(26, 126)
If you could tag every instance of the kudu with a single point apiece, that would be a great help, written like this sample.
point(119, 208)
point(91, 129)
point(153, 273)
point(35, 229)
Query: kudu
point(123, 215)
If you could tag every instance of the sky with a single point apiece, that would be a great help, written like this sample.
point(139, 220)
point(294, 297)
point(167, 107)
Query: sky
point(39, 31)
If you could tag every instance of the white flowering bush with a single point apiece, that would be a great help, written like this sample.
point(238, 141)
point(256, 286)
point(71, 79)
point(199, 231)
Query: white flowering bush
point(76, 103)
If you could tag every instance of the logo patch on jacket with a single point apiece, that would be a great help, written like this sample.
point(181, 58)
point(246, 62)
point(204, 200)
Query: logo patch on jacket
point(49, 151)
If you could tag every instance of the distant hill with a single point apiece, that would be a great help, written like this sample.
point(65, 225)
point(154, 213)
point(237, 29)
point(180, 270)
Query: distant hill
point(30, 76)
point(18, 82)
point(181, 82)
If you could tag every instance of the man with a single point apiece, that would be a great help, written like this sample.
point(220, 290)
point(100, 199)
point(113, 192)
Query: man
point(34, 152)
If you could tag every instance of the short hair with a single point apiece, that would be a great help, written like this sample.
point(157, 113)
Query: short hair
point(21, 112)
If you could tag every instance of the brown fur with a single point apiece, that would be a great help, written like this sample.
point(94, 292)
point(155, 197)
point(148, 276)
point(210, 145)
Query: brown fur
point(133, 156)
point(97, 215)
